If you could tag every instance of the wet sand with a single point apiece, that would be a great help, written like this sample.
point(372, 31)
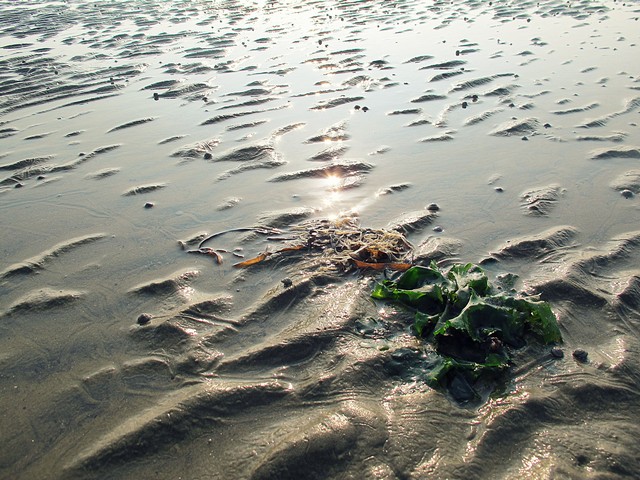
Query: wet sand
point(129, 132)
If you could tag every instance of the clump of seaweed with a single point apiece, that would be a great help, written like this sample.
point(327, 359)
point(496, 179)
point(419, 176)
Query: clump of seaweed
point(326, 244)
point(473, 327)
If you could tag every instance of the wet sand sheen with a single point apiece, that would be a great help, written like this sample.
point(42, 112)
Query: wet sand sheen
point(133, 135)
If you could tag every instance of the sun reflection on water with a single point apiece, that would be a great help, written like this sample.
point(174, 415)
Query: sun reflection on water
point(333, 182)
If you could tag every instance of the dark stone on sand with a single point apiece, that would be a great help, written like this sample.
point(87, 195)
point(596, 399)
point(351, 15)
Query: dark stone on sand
point(438, 229)
point(156, 96)
point(581, 355)
point(208, 156)
point(144, 318)
point(556, 352)
point(433, 207)
point(149, 205)
point(626, 193)
point(18, 185)
point(465, 104)
point(499, 189)
point(287, 282)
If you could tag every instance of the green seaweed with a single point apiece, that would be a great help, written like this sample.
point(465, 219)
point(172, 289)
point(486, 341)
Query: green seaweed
point(472, 327)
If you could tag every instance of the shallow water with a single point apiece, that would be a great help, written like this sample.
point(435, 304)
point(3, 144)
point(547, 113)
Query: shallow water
point(258, 107)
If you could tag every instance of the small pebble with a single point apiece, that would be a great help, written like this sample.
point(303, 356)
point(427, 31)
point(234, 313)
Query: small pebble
point(437, 229)
point(499, 189)
point(465, 104)
point(357, 107)
point(287, 282)
point(474, 98)
point(547, 125)
point(580, 355)
point(557, 352)
point(433, 207)
point(526, 139)
point(18, 185)
point(365, 109)
point(144, 318)
point(156, 96)
point(208, 156)
point(149, 205)
point(626, 193)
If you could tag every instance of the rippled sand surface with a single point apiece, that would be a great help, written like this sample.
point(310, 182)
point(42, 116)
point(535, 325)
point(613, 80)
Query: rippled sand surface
point(130, 131)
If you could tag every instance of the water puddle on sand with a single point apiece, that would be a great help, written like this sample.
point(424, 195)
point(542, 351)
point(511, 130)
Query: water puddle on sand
point(501, 133)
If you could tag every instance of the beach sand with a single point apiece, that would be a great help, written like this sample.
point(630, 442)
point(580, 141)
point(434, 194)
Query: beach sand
point(131, 131)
